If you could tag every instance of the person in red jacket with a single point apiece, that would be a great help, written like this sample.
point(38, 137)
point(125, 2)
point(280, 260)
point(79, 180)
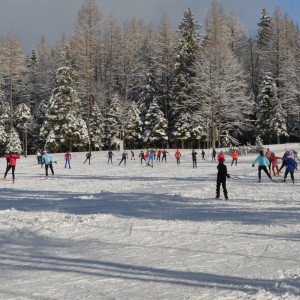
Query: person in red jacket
point(274, 161)
point(12, 161)
point(235, 157)
point(178, 155)
point(68, 157)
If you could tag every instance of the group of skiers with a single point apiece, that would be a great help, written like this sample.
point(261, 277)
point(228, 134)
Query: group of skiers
point(267, 162)
point(271, 160)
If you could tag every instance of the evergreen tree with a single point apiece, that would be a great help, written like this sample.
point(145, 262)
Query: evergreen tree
point(13, 142)
point(134, 126)
point(97, 128)
point(148, 93)
point(265, 44)
point(113, 123)
point(3, 137)
point(270, 121)
point(155, 126)
point(63, 120)
point(183, 100)
point(165, 57)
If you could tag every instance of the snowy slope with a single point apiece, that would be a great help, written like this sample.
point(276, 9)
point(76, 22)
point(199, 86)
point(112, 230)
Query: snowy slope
point(133, 232)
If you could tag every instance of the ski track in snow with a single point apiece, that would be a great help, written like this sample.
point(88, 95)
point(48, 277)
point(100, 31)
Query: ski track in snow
point(104, 231)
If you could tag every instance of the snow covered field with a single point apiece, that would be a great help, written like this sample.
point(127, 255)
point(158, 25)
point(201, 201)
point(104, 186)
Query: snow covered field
point(112, 232)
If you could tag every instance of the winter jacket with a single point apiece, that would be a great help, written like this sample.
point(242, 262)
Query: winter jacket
point(222, 172)
point(273, 160)
point(291, 164)
point(151, 154)
point(68, 156)
point(262, 161)
point(12, 158)
point(47, 159)
point(235, 155)
point(177, 154)
point(221, 156)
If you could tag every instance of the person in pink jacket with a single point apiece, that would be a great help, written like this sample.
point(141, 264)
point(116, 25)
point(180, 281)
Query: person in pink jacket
point(274, 161)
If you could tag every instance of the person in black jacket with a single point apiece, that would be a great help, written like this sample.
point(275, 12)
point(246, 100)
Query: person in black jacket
point(221, 178)
point(88, 157)
point(194, 158)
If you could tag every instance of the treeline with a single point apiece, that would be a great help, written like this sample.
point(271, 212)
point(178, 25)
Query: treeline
point(193, 86)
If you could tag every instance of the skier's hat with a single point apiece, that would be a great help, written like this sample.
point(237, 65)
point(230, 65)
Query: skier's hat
point(221, 159)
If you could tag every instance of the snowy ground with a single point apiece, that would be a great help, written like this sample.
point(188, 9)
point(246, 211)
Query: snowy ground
point(112, 232)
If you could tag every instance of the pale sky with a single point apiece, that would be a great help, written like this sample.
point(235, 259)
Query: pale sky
point(30, 19)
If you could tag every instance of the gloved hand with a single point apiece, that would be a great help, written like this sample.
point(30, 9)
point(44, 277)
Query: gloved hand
point(252, 165)
point(228, 175)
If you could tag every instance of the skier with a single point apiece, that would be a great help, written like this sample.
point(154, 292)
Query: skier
point(151, 158)
point(147, 155)
point(158, 155)
point(164, 155)
point(110, 155)
point(235, 157)
point(47, 159)
point(12, 162)
point(296, 155)
point(132, 156)
point(274, 161)
point(203, 154)
point(221, 178)
point(268, 155)
point(213, 155)
point(194, 158)
point(263, 162)
point(142, 157)
point(178, 155)
point(124, 157)
point(88, 157)
point(291, 166)
point(68, 157)
point(39, 157)
point(284, 160)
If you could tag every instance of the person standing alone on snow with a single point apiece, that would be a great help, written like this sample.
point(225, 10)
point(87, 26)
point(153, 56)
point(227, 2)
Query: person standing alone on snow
point(47, 159)
point(178, 155)
point(263, 162)
point(12, 162)
point(88, 157)
point(68, 157)
point(110, 155)
point(203, 154)
point(221, 178)
point(213, 155)
point(194, 158)
point(235, 157)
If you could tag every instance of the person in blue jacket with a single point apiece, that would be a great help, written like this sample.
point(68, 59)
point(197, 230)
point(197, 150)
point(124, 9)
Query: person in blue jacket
point(262, 162)
point(151, 158)
point(291, 166)
point(47, 159)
